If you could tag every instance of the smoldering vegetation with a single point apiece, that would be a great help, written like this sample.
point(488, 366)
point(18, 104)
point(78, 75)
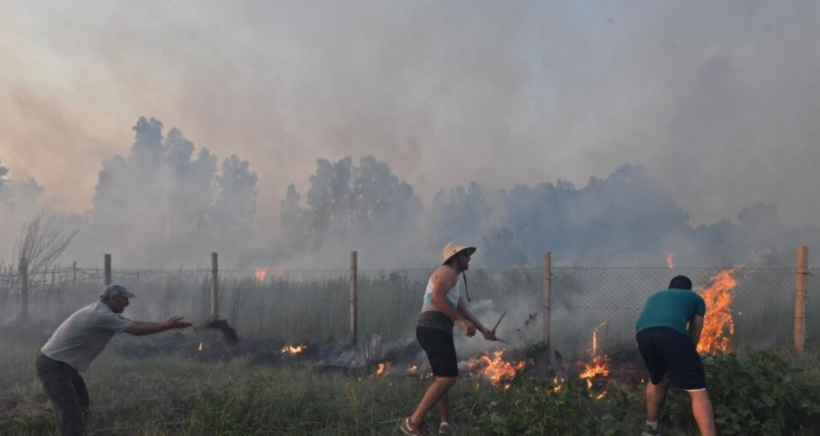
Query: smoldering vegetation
point(167, 204)
point(163, 207)
point(590, 307)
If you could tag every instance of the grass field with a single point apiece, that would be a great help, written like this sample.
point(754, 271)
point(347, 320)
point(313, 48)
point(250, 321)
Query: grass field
point(174, 395)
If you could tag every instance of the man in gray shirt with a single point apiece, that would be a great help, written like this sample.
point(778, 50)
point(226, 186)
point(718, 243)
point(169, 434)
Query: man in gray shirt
point(77, 342)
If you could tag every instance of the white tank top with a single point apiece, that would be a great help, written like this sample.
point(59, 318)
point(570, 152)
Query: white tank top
point(452, 297)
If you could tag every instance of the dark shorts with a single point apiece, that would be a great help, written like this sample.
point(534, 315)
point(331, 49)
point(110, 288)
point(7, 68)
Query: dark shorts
point(668, 351)
point(440, 349)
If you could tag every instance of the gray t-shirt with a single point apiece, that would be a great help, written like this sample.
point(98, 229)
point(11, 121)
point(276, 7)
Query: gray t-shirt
point(83, 336)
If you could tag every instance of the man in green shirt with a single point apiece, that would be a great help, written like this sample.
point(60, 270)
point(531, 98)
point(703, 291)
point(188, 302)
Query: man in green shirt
point(668, 333)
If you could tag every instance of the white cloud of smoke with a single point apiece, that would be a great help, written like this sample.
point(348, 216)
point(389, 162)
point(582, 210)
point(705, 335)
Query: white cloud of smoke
point(709, 98)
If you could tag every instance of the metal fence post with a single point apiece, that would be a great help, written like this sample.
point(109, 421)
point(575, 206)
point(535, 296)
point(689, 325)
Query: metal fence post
point(546, 301)
point(800, 298)
point(23, 269)
point(353, 297)
point(107, 269)
point(213, 289)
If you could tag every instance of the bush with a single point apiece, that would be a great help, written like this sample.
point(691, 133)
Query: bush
point(754, 393)
point(22, 425)
point(537, 407)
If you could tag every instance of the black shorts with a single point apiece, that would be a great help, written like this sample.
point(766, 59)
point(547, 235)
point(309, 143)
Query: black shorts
point(668, 351)
point(440, 349)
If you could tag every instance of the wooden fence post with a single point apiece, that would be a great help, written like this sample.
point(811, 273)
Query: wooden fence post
point(546, 301)
point(354, 270)
point(23, 269)
point(213, 289)
point(800, 298)
point(74, 272)
point(107, 269)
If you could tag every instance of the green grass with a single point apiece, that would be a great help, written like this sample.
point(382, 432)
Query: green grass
point(172, 395)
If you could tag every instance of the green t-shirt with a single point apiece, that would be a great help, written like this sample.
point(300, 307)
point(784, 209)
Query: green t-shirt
point(671, 308)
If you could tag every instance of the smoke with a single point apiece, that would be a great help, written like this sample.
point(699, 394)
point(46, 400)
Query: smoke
point(709, 98)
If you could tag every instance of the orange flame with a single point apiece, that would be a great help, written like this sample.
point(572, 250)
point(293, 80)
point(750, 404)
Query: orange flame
point(200, 347)
point(718, 326)
point(412, 368)
point(495, 368)
point(670, 259)
point(383, 369)
point(287, 349)
point(558, 384)
point(260, 274)
point(599, 367)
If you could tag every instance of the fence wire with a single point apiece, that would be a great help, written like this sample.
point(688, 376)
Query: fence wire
point(314, 305)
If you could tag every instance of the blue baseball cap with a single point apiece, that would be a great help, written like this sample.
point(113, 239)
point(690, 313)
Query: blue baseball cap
point(114, 289)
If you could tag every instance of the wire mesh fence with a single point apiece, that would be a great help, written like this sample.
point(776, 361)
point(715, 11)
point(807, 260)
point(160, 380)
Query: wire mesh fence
point(610, 300)
point(813, 309)
point(315, 305)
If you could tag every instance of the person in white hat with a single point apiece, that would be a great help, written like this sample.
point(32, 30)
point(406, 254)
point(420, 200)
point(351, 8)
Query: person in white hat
point(442, 308)
point(77, 342)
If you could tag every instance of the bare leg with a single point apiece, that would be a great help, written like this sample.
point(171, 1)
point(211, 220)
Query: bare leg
point(434, 393)
point(654, 399)
point(444, 408)
point(704, 413)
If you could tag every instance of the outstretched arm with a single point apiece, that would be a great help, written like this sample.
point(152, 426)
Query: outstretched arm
point(142, 328)
point(695, 328)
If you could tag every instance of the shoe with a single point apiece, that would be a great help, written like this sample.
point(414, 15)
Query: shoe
point(445, 428)
point(649, 431)
point(410, 429)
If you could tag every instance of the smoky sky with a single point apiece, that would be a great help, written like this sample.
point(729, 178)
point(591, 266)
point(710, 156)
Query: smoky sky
point(714, 99)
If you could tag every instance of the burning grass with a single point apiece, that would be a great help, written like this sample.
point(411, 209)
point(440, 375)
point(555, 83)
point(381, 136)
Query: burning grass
point(174, 395)
point(493, 367)
point(718, 325)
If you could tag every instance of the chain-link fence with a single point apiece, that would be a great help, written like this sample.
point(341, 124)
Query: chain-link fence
point(813, 309)
point(609, 300)
point(315, 305)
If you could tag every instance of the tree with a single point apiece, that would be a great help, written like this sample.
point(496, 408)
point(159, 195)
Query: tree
point(192, 206)
point(291, 217)
point(458, 214)
point(42, 241)
point(499, 248)
point(4, 194)
point(235, 203)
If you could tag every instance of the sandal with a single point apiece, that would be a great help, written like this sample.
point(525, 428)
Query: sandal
point(445, 428)
point(411, 430)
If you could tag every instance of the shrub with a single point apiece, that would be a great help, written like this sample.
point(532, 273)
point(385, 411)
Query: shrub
point(22, 425)
point(754, 393)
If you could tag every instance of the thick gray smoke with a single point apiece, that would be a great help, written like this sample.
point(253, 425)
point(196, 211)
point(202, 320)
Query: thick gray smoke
point(624, 219)
point(710, 98)
point(166, 204)
point(19, 202)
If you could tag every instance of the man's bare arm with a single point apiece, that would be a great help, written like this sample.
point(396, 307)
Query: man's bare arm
point(695, 328)
point(142, 328)
point(462, 308)
point(443, 280)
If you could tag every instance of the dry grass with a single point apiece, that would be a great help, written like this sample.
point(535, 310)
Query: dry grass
point(175, 396)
